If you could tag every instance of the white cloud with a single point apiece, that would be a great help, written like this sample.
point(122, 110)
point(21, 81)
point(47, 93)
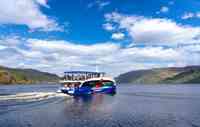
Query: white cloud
point(2, 47)
point(43, 3)
point(10, 41)
point(26, 12)
point(103, 4)
point(108, 27)
point(188, 15)
point(55, 56)
point(100, 4)
point(152, 53)
point(153, 31)
point(71, 48)
point(118, 36)
point(164, 9)
point(58, 56)
point(198, 14)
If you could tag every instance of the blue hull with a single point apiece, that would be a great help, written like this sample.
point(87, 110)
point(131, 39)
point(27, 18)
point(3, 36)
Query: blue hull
point(89, 91)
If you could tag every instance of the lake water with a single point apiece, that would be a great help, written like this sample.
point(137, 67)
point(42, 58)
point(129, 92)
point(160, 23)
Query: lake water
point(132, 106)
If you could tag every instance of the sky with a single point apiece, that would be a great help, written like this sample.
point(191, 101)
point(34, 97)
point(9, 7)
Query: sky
point(116, 35)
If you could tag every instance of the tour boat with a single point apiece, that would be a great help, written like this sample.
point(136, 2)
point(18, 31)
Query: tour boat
point(86, 83)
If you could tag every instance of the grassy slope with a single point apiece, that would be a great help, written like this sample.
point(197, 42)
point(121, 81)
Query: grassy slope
point(191, 76)
point(163, 75)
point(9, 76)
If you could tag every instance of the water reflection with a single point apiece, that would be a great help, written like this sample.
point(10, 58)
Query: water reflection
point(86, 106)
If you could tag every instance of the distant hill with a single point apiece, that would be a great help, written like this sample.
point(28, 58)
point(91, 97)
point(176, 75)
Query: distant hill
point(25, 76)
point(173, 75)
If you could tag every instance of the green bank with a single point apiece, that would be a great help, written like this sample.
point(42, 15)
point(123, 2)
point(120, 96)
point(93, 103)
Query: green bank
point(25, 76)
point(173, 75)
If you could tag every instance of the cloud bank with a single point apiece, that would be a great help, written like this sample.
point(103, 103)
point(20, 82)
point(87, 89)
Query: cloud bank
point(28, 13)
point(57, 56)
point(154, 42)
point(154, 31)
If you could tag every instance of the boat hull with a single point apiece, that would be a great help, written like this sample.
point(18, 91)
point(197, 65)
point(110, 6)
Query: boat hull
point(88, 91)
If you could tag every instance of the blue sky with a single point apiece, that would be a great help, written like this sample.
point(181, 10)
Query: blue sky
point(118, 35)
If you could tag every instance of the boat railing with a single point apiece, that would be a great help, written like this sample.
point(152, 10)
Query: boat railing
point(82, 76)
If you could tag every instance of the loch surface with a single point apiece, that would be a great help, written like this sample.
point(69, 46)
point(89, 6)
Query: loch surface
point(132, 106)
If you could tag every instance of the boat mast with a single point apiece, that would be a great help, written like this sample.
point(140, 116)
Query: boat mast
point(96, 66)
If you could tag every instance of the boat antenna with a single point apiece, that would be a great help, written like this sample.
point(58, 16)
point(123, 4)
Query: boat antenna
point(97, 69)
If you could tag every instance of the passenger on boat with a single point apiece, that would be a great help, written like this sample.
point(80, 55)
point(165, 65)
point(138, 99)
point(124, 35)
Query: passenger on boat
point(98, 84)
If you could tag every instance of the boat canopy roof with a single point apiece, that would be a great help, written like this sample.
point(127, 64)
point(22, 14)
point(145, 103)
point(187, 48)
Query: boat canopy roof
point(83, 72)
point(82, 75)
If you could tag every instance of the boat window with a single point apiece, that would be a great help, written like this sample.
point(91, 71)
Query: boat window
point(92, 84)
point(108, 83)
point(98, 83)
point(71, 84)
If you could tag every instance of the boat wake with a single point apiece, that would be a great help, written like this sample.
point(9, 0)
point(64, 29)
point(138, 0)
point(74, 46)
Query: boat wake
point(31, 96)
point(20, 101)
